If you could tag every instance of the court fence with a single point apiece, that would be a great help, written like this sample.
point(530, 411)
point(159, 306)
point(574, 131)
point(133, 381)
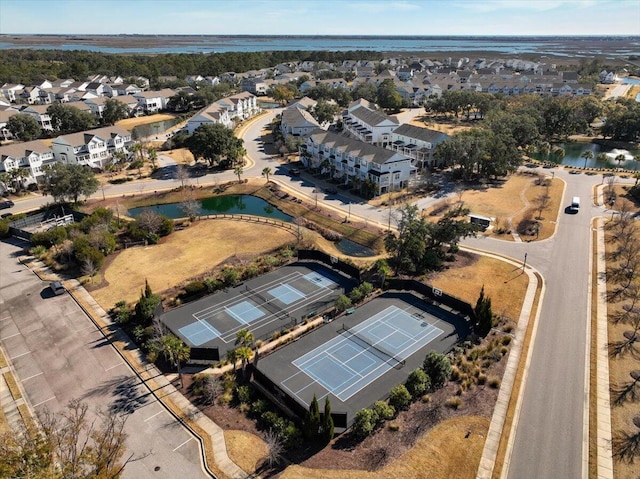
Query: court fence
point(434, 294)
point(41, 221)
point(330, 261)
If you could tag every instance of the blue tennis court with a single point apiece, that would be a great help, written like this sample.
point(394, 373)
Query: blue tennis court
point(348, 363)
point(199, 332)
point(244, 312)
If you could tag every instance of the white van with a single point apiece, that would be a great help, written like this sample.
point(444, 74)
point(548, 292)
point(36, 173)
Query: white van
point(575, 204)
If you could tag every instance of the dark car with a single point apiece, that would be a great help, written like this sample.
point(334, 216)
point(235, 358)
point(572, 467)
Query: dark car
point(6, 204)
point(56, 288)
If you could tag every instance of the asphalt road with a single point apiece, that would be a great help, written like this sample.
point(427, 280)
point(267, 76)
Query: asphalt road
point(59, 355)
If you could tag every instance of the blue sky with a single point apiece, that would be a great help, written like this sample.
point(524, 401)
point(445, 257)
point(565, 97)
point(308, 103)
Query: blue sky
point(325, 17)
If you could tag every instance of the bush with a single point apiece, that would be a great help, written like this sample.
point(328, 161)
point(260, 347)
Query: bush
point(494, 383)
point(194, 288)
point(230, 276)
point(4, 228)
point(38, 251)
point(122, 312)
point(244, 394)
point(166, 226)
point(453, 403)
point(383, 410)
point(399, 397)
point(418, 383)
point(355, 295)
point(343, 303)
point(438, 368)
point(364, 423)
point(48, 238)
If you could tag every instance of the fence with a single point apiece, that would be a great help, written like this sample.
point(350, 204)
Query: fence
point(254, 219)
point(58, 215)
point(330, 261)
point(434, 294)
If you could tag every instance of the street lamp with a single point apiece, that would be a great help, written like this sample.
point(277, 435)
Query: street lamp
point(525, 262)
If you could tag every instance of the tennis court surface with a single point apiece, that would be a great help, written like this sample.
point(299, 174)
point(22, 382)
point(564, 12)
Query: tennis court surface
point(357, 359)
point(263, 305)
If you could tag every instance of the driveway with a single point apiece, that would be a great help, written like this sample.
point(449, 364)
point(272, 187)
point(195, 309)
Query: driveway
point(59, 355)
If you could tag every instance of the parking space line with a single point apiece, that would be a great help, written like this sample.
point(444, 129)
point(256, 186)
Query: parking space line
point(113, 367)
point(151, 417)
point(33, 376)
point(178, 447)
point(12, 335)
point(20, 355)
point(42, 402)
point(5, 318)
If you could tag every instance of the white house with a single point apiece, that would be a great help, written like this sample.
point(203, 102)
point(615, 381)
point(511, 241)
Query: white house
point(5, 114)
point(154, 101)
point(94, 148)
point(225, 111)
point(416, 143)
point(39, 112)
point(11, 90)
point(354, 162)
point(257, 86)
point(297, 122)
point(370, 126)
point(31, 156)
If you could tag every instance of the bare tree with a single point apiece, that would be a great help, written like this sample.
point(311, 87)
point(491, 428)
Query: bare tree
point(211, 390)
point(275, 448)
point(149, 221)
point(610, 192)
point(89, 268)
point(541, 202)
point(626, 445)
point(182, 174)
point(68, 444)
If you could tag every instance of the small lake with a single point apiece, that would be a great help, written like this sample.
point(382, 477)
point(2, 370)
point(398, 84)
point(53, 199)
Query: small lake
point(153, 129)
point(226, 204)
point(574, 150)
point(350, 248)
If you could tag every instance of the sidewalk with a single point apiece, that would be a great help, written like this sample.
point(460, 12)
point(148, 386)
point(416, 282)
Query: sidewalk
point(211, 436)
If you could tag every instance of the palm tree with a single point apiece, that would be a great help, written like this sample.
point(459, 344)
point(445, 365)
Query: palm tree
point(244, 354)
point(152, 154)
point(558, 153)
point(244, 338)
point(238, 171)
point(544, 148)
point(174, 351)
point(232, 357)
point(587, 155)
point(620, 158)
point(266, 171)
point(625, 445)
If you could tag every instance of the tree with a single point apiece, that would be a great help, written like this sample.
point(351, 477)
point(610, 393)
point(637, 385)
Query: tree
point(587, 155)
point(67, 182)
point(146, 306)
point(343, 303)
point(626, 445)
point(438, 368)
point(275, 448)
point(399, 397)
point(383, 411)
point(244, 354)
point(312, 420)
point(212, 142)
point(407, 247)
point(484, 314)
point(149, 221)
point(114, 111)
point(244, 338)
point(327, 421)
point(388, 96)
point(266, 172)
point(418, 383)
point(324, 111)
point(67, 445)
point(69, 119)
point(238, 171)
point(211, 389)
point(174, 352)
point(364, 423)
point(24, 127)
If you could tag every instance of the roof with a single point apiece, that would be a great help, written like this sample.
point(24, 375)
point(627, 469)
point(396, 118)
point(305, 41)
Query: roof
point(372, 117)
point(296, 117)
point(83, 137)
point(21, 150)
point(305, 103)
point(375, 154)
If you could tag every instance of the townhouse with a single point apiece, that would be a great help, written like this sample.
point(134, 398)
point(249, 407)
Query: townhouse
point(31, 157)
point(93, 148)
point(39, 112)
point(354, 162)
point(297, 122)
point(225, 111)
point(5, 114)
point(153, 101)
point(417, 143)
point(368, 125)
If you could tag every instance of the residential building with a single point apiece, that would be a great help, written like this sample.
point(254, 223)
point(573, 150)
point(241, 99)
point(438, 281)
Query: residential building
point(417, 143)
point(5, 114)
point(94, 148)
point(153, 101)
point(225, 111)
point(257, 86)
point(39, 112)
point(354, 162)
point(30, 156)
point(11, 91)
point(368, 125)
point(297, 122)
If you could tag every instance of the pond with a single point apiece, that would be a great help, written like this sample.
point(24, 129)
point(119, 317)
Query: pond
point(350, 248)
point(574, 150)
point(153, 129)
point(226, 204)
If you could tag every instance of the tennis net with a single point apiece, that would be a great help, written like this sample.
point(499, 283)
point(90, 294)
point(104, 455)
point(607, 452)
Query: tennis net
point(386, 356)
point(263, 302)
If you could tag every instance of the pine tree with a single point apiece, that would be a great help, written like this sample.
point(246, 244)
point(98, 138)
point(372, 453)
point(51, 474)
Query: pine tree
point(312, 421)
point(484, 314)
point(327, 421)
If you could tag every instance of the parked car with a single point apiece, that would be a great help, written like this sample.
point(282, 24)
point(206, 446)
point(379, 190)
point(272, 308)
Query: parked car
point(295, 172)
point(6, 204)
point(56, 288)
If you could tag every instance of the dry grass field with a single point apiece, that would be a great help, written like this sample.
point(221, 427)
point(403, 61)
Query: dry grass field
point(444, 452)
point(438, 123)
point(183, 255)
point(245, 449)
point(504, 283)
point(179, 155)
point(131, 123)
